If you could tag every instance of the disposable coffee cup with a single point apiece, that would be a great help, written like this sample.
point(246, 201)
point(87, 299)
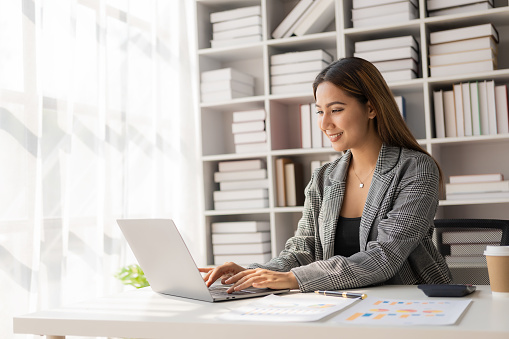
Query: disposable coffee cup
point(497, 258)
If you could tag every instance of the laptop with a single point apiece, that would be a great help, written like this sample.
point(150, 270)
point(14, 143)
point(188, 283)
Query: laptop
point(168, 265)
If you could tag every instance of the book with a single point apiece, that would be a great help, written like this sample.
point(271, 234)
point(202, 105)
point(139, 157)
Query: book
point(236, 13)
point(237, 23)
point(240, 226)
point(258, 248)
point(460, 57)
point(464, 45)
point(292, 57)
point(469, 249)
point(475, 109)
point(483, 108)
point(467, 236)
point(285, 25)
point(315, 164)
point(240, 175)
point(305, 125)
point(255, 193)
point(227, 74)
point(226, 85)
point(463, 33)
point(250, 137)
point(432, 5)
point(492, 106)
point(294, 189)
point(307, 66)
point(252, 115)
point(237, 32)
point(387, 43)
point(480, 6)
point(235, 41)
point(242, 259)
point(389, 54)
point(292, 78)
point(281, 181)
point(438, 104)
point(250, 126)
point(402, 74)
point(241, 204)
point(458, 108)
point(478, 196)
point(467, 113)
point(240, 165)
point(370, 3)
point(449, 114)
point(466, 259)
point(305, 87)
point(243, 184)
point(383, 9)
point(316, 19)
point(478, 187)
point(401, 103)
point(251, 147)
point(411, 13)
point(502, 109)
point(396, 65)
point(222, 95)
point(240, 238)
point(472, 178)
point(316, 132)
point(462, 68)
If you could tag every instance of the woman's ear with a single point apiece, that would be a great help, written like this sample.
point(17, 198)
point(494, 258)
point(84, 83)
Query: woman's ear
point(371, 110)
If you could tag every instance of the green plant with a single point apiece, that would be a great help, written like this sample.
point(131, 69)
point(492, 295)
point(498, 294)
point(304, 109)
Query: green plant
point(132, 275)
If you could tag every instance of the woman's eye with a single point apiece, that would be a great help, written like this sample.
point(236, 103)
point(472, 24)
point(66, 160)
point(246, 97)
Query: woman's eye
point(336, 110)
point(319, 112)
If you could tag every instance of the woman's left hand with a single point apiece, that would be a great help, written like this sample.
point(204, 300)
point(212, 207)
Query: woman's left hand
point(262, 278)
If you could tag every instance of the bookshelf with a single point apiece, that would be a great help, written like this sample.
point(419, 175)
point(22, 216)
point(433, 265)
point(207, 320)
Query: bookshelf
point(457, 155)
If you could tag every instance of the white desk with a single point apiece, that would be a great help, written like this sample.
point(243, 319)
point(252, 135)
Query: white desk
point(145, 314)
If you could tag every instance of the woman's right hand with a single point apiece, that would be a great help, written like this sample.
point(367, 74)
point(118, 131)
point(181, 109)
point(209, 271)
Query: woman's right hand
point(223, 271)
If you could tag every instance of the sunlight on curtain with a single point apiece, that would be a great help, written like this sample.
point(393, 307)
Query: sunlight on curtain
point(96, 123)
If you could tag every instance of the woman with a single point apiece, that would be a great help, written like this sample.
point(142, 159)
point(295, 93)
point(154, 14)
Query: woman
point(368, 216)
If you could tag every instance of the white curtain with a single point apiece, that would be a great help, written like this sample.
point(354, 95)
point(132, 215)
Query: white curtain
point(96, 123)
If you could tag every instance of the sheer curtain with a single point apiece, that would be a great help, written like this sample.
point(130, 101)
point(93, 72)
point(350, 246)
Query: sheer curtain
point(97, 122)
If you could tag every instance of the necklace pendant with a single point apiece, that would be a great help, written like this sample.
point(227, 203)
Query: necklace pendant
point(361, 185)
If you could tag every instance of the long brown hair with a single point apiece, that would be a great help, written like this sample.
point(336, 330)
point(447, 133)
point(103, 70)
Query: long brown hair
point(362, 80)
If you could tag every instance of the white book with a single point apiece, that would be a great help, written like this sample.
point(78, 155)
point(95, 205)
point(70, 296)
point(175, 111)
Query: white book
point(402, 74)
point(292, 88)
point(252, 115)
point(240, 175)
point(293, 184)
point(240, 165)
point(307, 66)
point(263, 247)
point(227, 74)
point(250, 126)
point(464, 45)
point(469, 178)
point(240, 238)
point(374, 11)
point(458, 108)
point(471, 237)
point(240, 226)
point(226, 85)
point(502, 109)
point(292, 78)
point(236, 13)
point(285, 25)
point(466, 56)
point(242, 259)
point(480, 6)
point(316, 132)
point(257, 193)
point(316, 19)
point(438, 104)
point(388, 54)
point(257, 147)
point(237, 23)
point(292, 57)
point(222, 95)
point(475, 109)
point(235, 41)
point(463, 68)
point(243, 184)
point(477, 196)
point(305, 125)
point(467, 112)
point(281, 181)
point(432, 5)
point(250, 137)
point(469, 249)
point(237, 33)
point(478, 187)
point(483, 108)
point(463, 33)
point(370, 3)
point(397, 65)
point(378, 44)
point(410, 14)
point(492, 106)
point(241, 204)
point(449, 114)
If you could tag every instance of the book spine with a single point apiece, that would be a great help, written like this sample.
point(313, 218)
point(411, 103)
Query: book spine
point(502, 109)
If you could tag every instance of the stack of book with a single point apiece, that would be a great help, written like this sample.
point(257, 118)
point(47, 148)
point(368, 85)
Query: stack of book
point(307, 17)
point(243, 242)
point(383, 12)
point(236, 26)
point(249, 134)
point(463, 50)
point(396, 58)
point(467, 246)
point(477, 186)
point(289, 183)
point(471, 109)
point(295, 72)
point(446, 7)
point(225, 84)
point(243, 184)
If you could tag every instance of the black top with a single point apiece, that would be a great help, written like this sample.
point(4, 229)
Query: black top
point(346, 240)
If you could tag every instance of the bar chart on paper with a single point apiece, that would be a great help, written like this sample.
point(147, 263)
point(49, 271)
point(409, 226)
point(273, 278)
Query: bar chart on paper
point(405, 312)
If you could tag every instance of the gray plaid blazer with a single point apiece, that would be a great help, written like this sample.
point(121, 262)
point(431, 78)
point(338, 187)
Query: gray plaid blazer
point(395, 232)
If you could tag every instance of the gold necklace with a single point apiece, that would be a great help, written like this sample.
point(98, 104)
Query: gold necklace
point(361, 185)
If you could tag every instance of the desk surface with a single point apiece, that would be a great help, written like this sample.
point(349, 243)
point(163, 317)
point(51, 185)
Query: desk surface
point(145, 314)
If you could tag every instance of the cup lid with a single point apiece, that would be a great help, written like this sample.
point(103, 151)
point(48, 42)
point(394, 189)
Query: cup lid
point(497, 250)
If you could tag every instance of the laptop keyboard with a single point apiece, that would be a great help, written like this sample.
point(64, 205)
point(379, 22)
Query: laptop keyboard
point(220, 290)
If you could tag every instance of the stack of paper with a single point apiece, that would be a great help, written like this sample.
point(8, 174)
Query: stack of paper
point(237, 26)
point(383, 12)
point(225, 84)
point(249, 134)
point(447, 7)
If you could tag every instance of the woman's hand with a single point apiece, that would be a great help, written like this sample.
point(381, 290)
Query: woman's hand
point(223, 271)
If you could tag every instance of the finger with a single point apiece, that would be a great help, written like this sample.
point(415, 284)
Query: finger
point(247, 283)
point(205, 269)
point(236, 277)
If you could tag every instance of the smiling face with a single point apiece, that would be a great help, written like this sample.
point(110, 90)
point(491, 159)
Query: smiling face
point(347, 122)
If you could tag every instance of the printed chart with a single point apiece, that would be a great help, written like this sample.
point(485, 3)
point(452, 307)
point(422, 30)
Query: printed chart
point(405, 312)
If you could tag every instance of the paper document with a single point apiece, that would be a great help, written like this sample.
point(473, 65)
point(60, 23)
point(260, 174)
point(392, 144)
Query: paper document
point(378, 311)
point(277, 308)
